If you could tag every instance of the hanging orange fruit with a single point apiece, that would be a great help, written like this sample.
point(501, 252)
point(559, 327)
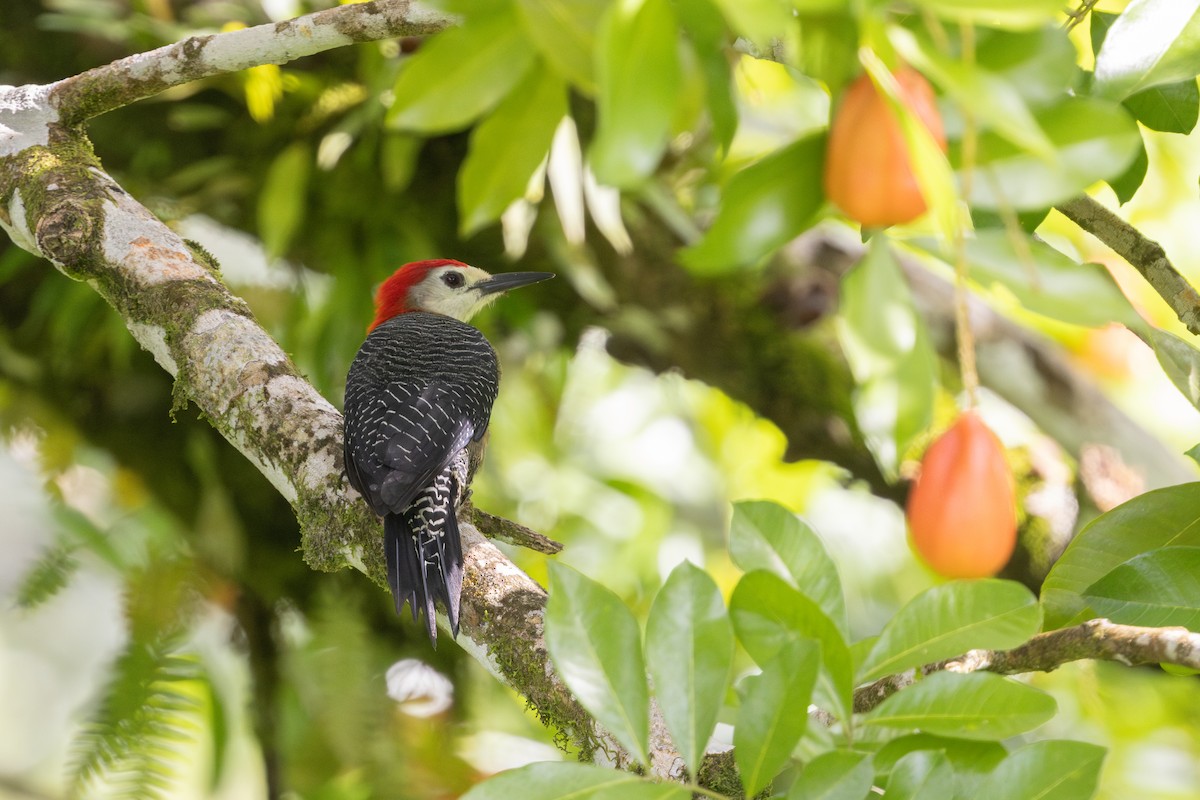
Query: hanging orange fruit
point(868, 170)
point(962, 511)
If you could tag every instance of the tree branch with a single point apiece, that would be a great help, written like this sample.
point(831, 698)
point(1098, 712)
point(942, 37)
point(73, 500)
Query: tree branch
point(1142, 253)
point(122, 82)
point(1096, 639)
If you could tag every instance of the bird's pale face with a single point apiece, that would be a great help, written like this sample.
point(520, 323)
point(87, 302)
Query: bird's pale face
point(453, 291)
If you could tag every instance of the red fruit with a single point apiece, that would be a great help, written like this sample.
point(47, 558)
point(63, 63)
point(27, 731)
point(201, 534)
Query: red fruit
point(868, 171)
point(962, 511)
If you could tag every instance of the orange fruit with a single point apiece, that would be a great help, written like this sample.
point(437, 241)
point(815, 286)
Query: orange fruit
point(962, 511)
point(868, 170)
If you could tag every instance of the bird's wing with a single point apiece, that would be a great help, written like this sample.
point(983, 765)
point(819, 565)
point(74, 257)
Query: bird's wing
point(398, 440)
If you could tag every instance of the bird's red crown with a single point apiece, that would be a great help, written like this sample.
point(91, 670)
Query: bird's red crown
point(391, 298)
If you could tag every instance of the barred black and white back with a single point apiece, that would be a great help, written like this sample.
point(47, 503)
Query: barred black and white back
point(418, 399)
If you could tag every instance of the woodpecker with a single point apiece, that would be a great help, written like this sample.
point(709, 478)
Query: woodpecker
point(419, 396)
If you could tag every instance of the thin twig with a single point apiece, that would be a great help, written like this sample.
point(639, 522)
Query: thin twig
point(1097, 640)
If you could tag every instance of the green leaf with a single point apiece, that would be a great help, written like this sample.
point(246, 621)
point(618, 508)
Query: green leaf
point(564, 32)
point(1168, 517)
point(283, 198)
point(836, 775)
point(951, 619)
point(765, 205)
point(595, 645)
point(47, 576)
point(889, 353)
point(921, 775)
point(461, 74)
point(507, 148)
point(689, 648)
point(1156, 589)
point(131, 745)
point(973, 705)
point(972, 760)
point(768, 615)
point(1040, 64)
point(1014, 14)
point(992, 101)
point(638, 79)
point(1045, 281)
point(1128, 182)
point(1046, 770)
point(568, 780)
point(760, 21)
point(1180, 360)
point(1170, 108)
point(1094, 140)
point(1153, 42)
point(774, 713)
point(765, 535)
point(705, 29)
point(828, 50)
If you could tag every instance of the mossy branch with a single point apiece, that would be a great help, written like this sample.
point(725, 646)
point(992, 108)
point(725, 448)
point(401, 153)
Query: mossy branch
point(146, 74)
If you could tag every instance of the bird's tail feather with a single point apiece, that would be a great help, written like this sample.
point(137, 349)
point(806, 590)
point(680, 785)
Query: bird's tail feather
point(424, 567)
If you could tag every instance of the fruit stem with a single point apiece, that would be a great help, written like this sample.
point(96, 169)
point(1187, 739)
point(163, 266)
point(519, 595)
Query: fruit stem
point(962, 317)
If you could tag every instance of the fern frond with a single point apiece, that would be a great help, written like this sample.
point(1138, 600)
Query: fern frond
point(48, 575)
point(132, 746)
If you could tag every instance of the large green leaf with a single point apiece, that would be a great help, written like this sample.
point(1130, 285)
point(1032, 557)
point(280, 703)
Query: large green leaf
point(1016, 14)
point(1040, 64)
point(507, 148)
point(1161, 518)
point(1047, 770)
point(974, 705)
point(283, 198)
point(1180, 360)
point(1047, 282)
point(921, 775)
point(568, 780)
point(564, 32)
point(764, 206)
point(689, 648)
point(972, 760)
point(949, 620)
point(1153, 42)
point(1170, 107)
point(768, 615)
point(638, 81)
point(1094, 140)
point(765, 535)
point(774, 713)
point(705, 28)
point(1156, 589)
point(595, 645)
point(461, 73)
point(836, 775)
point(889, 353)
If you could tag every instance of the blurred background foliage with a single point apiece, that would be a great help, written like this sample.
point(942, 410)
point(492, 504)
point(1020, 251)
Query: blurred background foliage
point(168, 599)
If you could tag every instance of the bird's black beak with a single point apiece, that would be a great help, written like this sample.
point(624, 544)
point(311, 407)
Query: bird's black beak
point(510, 280)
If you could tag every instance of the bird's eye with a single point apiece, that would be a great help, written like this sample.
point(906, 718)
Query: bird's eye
point(452, 279)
